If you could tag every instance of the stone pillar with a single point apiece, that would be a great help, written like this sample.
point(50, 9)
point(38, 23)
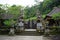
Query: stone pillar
point(12, 31)
point(40, 21)
point(21, 21)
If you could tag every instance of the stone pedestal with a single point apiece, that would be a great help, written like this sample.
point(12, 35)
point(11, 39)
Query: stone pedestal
point(12, 31)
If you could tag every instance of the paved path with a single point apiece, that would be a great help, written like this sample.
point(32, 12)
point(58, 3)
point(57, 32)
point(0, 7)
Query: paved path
point(5, 37)
point(29, 35)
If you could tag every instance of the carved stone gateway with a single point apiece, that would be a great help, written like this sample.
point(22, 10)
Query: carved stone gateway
point(40, 22)
point(20, 27)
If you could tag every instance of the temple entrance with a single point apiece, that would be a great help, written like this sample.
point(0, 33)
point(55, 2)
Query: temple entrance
point(31, 24)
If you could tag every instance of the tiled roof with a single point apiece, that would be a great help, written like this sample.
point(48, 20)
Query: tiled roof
point(55, 10)
point(8, 16)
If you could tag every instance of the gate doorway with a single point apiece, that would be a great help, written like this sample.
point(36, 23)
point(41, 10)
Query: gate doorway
point(30, 24)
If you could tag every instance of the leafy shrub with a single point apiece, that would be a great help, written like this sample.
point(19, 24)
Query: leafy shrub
point(56, 15)
point(9, 22)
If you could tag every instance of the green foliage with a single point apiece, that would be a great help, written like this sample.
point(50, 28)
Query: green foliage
point(56, 15)
point(47, 5)
point(1, 9)
point(9, 22)
point(43, 16)
point(44, 7)
point(32, 18)
point(30, 12)
point(14, 9)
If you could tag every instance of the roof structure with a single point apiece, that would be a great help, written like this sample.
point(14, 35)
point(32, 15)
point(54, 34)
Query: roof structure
point(54, 11)
point(7, 16)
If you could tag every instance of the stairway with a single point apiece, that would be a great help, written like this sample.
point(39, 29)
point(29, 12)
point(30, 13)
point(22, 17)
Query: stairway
point(29, 32)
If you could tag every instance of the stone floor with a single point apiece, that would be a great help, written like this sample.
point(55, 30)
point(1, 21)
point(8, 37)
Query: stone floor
point(5, 37)
point(31, 34)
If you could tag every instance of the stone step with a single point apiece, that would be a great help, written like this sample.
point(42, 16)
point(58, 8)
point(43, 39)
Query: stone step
point(30, 29)
point(29, 33)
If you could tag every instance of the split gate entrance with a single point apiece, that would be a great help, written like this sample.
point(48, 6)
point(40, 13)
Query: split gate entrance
point(30, 24)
